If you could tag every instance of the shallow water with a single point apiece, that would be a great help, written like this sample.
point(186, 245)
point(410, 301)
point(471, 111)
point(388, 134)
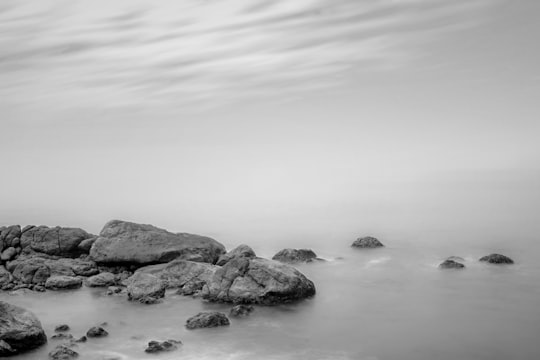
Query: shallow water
point(390, 303)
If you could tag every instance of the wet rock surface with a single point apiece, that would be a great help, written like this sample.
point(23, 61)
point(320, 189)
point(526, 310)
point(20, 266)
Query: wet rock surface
point(96, 332)
point(367, 242)
point(207, 320)
point(162, 346)
point(20, 330)
point(496, 259)
point(295, 255)
point(451, 264)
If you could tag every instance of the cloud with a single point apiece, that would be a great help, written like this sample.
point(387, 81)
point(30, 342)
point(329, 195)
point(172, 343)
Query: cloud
point(184, 52)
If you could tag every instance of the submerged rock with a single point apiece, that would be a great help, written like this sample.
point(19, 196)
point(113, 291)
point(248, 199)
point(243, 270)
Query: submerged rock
point(295, 255)
point(237, 252)
point(62, 336)
point(497, 259)
point(126, 242)
point(63, 352)
point(61, 328)
point(451, 264)
point(241, 310)
point(96, 331)
point(259, 281)
point(162, 346)
point(145, 288)
point(20, 330)
point(62, 282)
point(207, 320)
point(367, 242)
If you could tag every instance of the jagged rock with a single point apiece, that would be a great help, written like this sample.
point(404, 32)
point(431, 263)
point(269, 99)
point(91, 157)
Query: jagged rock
point(101, 280)
point(145, 288)
point(61, 328)
point(125, 242)
point(8, 234)
point(451, 264)
point(63, 352)
point(20, 330)
point(157, 346)
point(239, 251)
point(62, 282)
point(295, 255)
point(207, 320)
point(61, 241)
point(259, 281)
point(497, 259)
point(8, 254)
point(367, 242)
point(96, 331)
point(241, 310)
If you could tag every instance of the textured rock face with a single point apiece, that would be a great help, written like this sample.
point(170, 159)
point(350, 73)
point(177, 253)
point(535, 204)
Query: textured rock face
point(145, 288)
point(101, 280)
point(96, 331)
point(5, 277)
point(162, 346)
point(367, 242)
point(125, 242)
point(239, 251)
point(451, 264)
point(61, 241)
point(9, 236)
point(207, 320)
point(20, 330)
point(295, 255)
point(497, 259)
point(259, 281)
point(8, 254)
point(62, 282)
point(63, 352)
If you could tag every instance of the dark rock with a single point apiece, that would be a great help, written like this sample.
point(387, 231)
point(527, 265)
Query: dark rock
point(20, 330)
point(81, 339)
point(62, 282)
point(145, 288)
point(367, 242)
point(39, 288)
point(5, 277)
point(125, 242)
point(8, 254)
point(451, 264)
point(62, 336)
point(101, 280)
point(86, 244)
point(8, 235)
point(259, 281)
point(96, 331)
point(207, 320)
point(157, 346)
point(61, 241)
point(241, 310)
point(61, 328)
point(295, 255)
point(497, 259)
point(239, 251)
point(63, 352)
point(111, 290)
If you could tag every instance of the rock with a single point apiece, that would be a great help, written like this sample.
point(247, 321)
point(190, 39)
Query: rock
point(157, 346)
point(259, 281)
point(101, 280)
point(367, 242)
point(295, 255)
point(8, 235)
point(111, 290)
point(81, 339)
point(497, 259)
point(62, 282)
point(456, 258)
point(20, 330)
point(5, 277)
point(62, 336)
point(145, 288)
point(241, 310)
point(63, 352)
point(61, 241)
point(39, 288)
point(188, 276)
point(207, 320)
point(451, 264)
point(86, 245)
point(239, 251)
point(8, 254)
point(96, 331)
point(125, 242)
point(61, 328)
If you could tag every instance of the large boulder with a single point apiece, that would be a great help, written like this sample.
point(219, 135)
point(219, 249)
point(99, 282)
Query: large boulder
point(258, 281)
point(8, 254)
point(60, 241)
point(206, 320)
point(62, 282)
point(145, 288)
point(497, 259)
point(126, 242)
point(20, 330)
point(295, 255)
point(9, 236)
point(368, 242)
point(239, 251)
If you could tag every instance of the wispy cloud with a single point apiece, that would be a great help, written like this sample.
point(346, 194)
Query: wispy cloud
point(180, 52)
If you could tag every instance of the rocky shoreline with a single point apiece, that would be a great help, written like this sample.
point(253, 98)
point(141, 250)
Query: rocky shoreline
point(141, 262)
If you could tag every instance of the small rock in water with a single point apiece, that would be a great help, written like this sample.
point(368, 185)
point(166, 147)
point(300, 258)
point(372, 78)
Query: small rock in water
point(497, 259)
point(157, 346)
point(96, 331)
point(368, 242)
point(61, 328)
point(111, 290)
point(207, 319)
point(62, 352)
point(295, 255)
point(241, 310)
point(451, 264)
point(63, 282)
point(62, 336)
point(81, 339)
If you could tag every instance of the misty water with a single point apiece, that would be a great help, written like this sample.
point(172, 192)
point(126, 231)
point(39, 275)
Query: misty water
point(389, 303)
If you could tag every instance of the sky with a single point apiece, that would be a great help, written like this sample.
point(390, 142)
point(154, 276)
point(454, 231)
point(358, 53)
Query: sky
point(271, 118)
